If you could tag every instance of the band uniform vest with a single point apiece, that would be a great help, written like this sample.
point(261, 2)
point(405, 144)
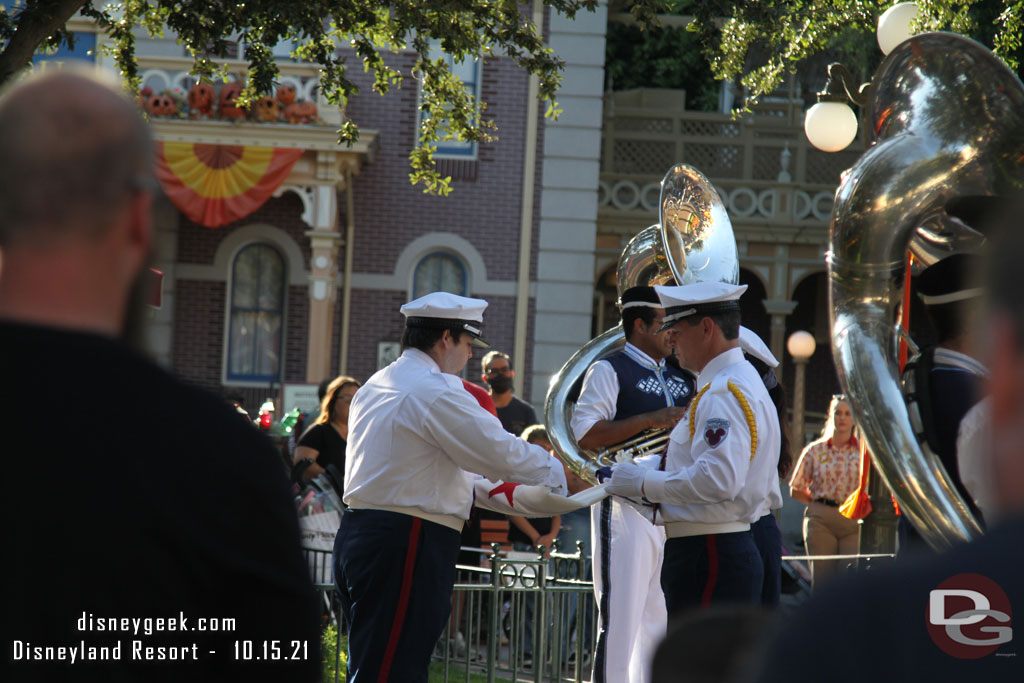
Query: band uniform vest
point(642, 390)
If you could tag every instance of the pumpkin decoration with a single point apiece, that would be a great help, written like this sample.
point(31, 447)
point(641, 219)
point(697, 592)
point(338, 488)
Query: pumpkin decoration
point(200, 100)
point(226, 102)
point(161, 105)
point(286, 95)
point(266, 109)
point(300, 112)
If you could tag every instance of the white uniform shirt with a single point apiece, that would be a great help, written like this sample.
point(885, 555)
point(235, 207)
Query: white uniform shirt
point(600, 391)
point(415, 438)
point(711, 484)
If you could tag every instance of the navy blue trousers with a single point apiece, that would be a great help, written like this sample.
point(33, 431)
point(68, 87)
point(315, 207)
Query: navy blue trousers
point(394, 575)
point(768, 540)
point(699, 571)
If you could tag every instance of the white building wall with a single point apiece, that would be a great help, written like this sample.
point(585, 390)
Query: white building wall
point(159, 330)
point(568, 210)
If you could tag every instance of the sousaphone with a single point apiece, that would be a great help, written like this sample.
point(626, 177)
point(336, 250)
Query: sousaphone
point(693, 242)
point(948, 121)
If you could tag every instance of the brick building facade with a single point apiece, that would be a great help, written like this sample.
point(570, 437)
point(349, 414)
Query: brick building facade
point(395, 226)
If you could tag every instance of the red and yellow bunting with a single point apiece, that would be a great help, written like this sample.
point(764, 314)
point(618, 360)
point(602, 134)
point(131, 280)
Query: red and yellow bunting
point(218, 184)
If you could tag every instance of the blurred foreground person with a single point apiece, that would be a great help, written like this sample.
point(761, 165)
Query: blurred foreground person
point(721, 644)
point(946, 617)
point(137, 548)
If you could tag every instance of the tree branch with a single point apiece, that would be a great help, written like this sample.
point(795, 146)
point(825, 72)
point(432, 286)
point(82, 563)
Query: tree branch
point(37, 21)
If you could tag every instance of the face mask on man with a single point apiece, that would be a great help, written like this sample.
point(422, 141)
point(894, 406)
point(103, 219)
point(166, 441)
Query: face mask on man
point(499, 383)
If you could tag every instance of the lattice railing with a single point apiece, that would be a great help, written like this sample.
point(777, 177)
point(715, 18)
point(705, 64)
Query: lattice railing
point(754, 158)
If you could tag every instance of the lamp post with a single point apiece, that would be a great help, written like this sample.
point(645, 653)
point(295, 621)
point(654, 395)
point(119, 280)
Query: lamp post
point(801, 347)
point(830, 125)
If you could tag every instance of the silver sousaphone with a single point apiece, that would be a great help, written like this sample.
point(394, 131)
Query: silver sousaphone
point(694, 242)
point(948, 119)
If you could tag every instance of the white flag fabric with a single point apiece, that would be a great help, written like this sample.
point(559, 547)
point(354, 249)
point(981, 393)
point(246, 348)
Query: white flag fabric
point(511, 498)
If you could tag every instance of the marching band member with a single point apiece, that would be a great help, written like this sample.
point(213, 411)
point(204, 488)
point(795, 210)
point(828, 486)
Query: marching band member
point(948, 376)
point(765, 527)
point(622, 396)
point(416, 438)
point(719, 456)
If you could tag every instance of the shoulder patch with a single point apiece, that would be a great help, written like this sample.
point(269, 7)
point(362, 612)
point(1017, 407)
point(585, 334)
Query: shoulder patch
point(716, 430)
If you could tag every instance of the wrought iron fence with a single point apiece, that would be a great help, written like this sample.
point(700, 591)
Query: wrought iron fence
point(516, 616)
point(523, 617)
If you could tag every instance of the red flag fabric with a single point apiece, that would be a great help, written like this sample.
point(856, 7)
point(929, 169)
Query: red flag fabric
point(218, 184)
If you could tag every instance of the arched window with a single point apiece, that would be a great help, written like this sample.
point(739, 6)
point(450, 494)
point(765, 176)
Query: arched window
point(257, 315)
point(439, 271)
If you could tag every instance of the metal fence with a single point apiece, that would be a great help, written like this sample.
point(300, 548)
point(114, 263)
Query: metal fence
point(523, 617)
point(516, 616)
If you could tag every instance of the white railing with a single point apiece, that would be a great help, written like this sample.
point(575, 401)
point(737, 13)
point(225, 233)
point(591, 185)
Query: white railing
point(762, 164)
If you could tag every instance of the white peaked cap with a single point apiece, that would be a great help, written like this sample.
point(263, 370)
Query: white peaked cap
point(444, 309)
point(701, 297)
point(755, 346)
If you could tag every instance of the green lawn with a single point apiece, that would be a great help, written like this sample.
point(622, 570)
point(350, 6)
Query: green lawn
point(456, 674)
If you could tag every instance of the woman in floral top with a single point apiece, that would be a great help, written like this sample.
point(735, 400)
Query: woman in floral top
point(826, 474)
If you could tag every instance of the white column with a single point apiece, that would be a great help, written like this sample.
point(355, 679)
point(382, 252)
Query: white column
point(159, 323)
point(568, 211)
point(324, 241)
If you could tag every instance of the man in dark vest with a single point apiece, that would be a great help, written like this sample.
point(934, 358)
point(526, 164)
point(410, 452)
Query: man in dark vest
point(623, 395)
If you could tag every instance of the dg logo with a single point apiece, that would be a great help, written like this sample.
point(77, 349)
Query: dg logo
point(969, 616)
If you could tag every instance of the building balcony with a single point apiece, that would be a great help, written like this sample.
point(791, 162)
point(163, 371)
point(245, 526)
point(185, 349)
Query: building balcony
point(773, 182)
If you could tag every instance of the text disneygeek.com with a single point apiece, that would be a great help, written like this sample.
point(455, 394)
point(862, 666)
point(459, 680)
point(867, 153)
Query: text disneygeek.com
point(136, 647)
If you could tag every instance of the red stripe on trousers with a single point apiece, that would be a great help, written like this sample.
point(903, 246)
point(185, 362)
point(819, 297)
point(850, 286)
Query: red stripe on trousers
point(709, 587)
point(403, 601)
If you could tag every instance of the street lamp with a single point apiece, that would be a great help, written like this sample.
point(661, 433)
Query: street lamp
point(830, 125)
point(801, 347)
point(894, 25)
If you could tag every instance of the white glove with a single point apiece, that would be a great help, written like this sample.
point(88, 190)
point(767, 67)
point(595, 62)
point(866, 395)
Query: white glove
point(627, 480)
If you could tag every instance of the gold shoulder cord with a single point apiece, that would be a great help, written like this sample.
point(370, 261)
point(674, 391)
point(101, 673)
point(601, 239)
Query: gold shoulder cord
point(747, 413)
point(693, 407)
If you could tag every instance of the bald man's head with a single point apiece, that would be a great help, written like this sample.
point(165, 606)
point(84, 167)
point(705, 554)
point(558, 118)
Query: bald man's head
point(74, 149)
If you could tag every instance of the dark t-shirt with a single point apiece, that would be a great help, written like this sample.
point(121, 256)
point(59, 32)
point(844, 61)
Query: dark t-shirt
point(328, 443)
point(517, 416)
point(134, 496)
point(541, 524)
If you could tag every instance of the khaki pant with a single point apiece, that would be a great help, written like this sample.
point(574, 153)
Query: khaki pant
point(826, 532)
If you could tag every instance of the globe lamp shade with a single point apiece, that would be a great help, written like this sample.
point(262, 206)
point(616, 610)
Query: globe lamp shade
point(801, 345)
point(830, 126)
point(894, 25)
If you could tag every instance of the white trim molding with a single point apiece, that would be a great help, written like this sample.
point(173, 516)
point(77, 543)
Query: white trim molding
point(400, 280)
point(220, 269)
